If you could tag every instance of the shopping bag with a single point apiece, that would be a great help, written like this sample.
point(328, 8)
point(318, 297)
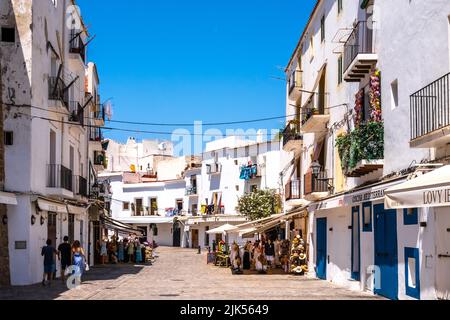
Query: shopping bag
point(86, 267)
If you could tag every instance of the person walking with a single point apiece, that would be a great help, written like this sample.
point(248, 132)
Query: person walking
point(120, 252)
point(78, 258)
point(49, 253)
point(103, 250)
point(247, 258)
point(65, 256)
point(269, 250)
point(138, 251)
point(131, 251)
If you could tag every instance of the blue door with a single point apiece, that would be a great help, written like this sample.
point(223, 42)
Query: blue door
point(386, 257)
point(356, 245)
point(321, 248)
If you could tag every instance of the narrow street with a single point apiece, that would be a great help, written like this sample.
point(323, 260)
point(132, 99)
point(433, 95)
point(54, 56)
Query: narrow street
point(182, 274)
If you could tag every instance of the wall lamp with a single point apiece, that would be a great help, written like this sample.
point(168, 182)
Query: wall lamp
point(315, 166)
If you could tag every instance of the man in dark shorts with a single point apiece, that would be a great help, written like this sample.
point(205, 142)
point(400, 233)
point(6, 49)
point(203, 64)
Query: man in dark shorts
point(65, 256)
point(48, 252)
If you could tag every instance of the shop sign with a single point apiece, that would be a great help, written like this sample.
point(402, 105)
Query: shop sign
point(368, 196)
point(436, 197)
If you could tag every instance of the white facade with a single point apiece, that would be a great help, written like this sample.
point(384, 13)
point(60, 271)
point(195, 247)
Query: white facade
point(346, 250)
point(49, 157)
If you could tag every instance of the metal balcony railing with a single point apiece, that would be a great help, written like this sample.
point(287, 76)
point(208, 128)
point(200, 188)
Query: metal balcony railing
point(56, 91)
point(59, 176)
point(76, 45)
point(293, 190)
point(95, 134)
point(81, 186)
point(295, 80)
point(76, 112)
point(430, 107)
point(99, 158)
point(99, 113)
point(291, 133)
point(213, 168)
point(315, 184)
point(191, 191)
point(359, 42)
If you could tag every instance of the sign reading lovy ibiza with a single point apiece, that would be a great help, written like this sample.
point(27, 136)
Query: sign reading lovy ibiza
point(429, 190)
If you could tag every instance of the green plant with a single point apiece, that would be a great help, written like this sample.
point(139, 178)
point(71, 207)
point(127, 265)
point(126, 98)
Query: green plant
point(259, 204)
point(364, 143)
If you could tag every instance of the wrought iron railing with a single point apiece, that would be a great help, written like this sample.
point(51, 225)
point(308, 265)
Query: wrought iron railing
point(292, 190)
point(56, 91)
point(319, 183)
point(99, 113)
point(191, 191)
point(76, 44)
point(81, 187)
point(95, 134)
point(295, 80)
point(359, 42)
point(430, 107)
point(76, 112)
point(291, 133)
point(59, 176)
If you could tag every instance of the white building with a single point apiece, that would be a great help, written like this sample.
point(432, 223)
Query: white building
point(47, 110)
point(355, 74)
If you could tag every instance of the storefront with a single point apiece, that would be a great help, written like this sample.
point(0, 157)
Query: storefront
point(424, 203)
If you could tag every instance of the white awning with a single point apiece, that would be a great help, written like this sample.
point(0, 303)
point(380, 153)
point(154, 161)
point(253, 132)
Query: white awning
point(8, 198)
point(428, 190)
point(222, 229)
point(52, 206)
point(77, 210)
point(146, 220)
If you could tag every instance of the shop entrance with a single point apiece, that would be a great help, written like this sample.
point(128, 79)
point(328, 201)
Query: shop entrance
point(321, 249)
point(51, 228)
point(176, 234)
point(194, 238)
point(443, 252)
point(386, 257)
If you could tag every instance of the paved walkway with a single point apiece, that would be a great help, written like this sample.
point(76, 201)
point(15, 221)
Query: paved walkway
point(183, 274)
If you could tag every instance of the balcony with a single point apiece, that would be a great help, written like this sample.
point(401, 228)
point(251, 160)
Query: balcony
point(59, 180)
point(99, 115)
point(292, 138)
point(76, 113)
point(191, 191)
point(95, 139)
point(359, 53)
point(77, 46)
point(100, 162)
point(250, 172)
point(430, 115)
point(295, 84)
point(57, 91)
point(215, 168)
point(316, 187)
point(314, 120)
point(362, 151)
point(81, 186)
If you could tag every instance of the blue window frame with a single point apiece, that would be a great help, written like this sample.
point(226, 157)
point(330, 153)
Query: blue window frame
point(367, 217)
point(412, 272)
point(356, 245)
point(410, 216)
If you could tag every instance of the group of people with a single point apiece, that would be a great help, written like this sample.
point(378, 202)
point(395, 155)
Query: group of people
point(68, 255)
point(261, 256)
point(127, 250)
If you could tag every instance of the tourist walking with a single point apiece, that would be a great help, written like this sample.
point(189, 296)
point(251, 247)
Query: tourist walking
point(247, 258)
point(138, 251)
point(103, 250)
point(269, 251)
point(49, 253)
point(120, 252)
point(131, 251)
point(78, 258)
point(65, 256)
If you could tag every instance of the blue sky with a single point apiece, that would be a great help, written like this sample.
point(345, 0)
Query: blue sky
point(181, 61)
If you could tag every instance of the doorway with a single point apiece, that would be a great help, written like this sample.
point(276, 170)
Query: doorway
point(356, 261)
point(194, 238)
point(386, 256)
point(443, 253)
point(51, 228)
point(321, 249)
point(176, 234)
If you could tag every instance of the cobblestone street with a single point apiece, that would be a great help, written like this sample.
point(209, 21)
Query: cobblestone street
point(183, 274)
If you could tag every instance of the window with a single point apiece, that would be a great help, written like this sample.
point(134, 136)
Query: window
point(247, 151)
point(410, 217)
point(155, 230)
point(322, 29)
point(8, 35)
point(237, 188)
point(394, 94)
point(412, 275)
point(254, 188)
point(206, 236)
point(180, 204)
point(311, 47)
point(8, 138)
point(367, 217)
point(340, 69)
point(340, 6)
point(139, 209)
point(153, 206)
point(125, 206)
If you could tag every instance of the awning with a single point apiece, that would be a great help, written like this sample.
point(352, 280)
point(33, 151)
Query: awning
point(119, 226)
point(77, 210)
point(331, 203)
point(51, 206)
point(222, 229)
point(428, 190)
point(8, 198)
point(146, 220)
